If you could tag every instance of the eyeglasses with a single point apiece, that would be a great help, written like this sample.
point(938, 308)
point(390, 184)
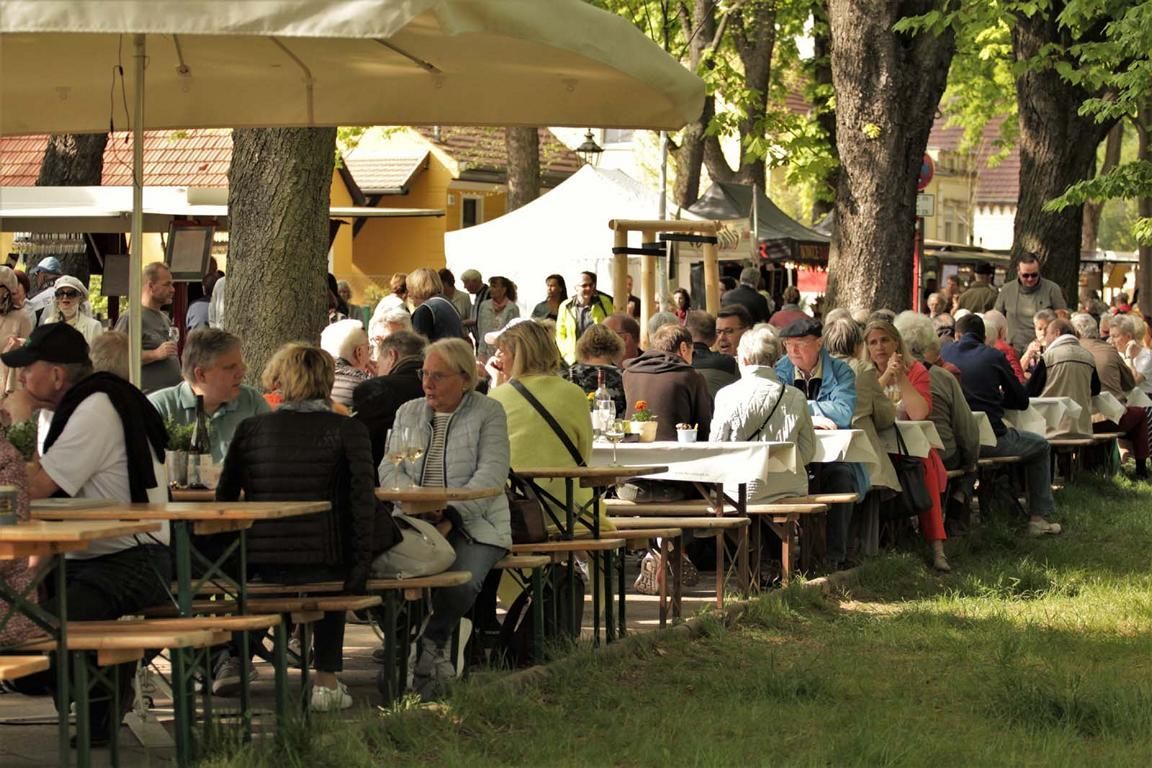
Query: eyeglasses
point(67, 294)
point(435, 376)
point(1029, 275)
point(730, 331)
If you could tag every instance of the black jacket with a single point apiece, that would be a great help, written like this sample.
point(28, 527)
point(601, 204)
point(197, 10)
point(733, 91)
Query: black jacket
point(375, 401)
point(750, 299)
point(308, 456)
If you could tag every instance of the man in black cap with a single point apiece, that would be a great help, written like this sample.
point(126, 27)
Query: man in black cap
point(101, 439)
point(830, 387)
point(980, 296)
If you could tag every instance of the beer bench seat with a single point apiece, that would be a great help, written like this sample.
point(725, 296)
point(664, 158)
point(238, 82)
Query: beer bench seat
point(15, 667)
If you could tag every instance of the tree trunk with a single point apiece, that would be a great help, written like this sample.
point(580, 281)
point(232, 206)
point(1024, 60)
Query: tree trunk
point(1057, 149)
point(1093, 209)
point(523, 148)
point(888, 86)
point(279, 186)
point(1144, 208)
point(699, 24)
point(821, 73)
point(72, 160)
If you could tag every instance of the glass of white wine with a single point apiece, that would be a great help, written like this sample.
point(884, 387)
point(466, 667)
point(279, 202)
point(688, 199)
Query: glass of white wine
point(412, 443)
point(614, 433)
point(395, 454)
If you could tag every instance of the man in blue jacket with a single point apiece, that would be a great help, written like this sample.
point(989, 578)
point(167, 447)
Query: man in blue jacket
point(990, 386)
point(830, 387)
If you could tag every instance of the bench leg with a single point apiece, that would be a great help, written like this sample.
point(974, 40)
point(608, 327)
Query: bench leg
point(182, 705)
point(305, 673)
point(597, 579)
point(538, 615)
point(662, 581)
point(80, 694)
point(609, 614)
point(280, 664)
point(622, 586)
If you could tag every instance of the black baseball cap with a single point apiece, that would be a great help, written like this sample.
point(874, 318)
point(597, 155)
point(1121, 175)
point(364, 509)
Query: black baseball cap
point(805, 326)
point(984, 268)
point(52, 343)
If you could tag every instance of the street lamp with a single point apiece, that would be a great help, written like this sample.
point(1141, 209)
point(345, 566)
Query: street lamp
point(589, 151)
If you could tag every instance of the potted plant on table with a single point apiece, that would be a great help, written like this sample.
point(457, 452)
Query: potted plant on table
point(643, 422)
point(176, 457)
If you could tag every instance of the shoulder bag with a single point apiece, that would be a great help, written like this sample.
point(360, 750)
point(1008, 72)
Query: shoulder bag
point(914, 495)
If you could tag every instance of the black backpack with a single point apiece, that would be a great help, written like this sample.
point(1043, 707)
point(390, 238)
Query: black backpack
point(517, 633)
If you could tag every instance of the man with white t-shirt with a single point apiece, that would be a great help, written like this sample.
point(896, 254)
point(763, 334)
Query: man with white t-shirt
point(99, 438)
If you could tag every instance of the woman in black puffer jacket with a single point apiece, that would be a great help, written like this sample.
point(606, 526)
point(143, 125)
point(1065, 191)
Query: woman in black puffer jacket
point(304, 452)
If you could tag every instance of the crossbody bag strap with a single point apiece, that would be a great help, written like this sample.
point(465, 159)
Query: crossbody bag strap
point(771, 413)
point(551, 422)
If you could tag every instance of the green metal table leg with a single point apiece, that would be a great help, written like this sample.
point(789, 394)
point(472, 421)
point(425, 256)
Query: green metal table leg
point(537, 615)
point(280, 654)
point(114, 719)
point(609, 612)
point(305, 672)
point(80, 692)
point(597, 577)
point(62, 660)
point(181, 706)
point(245, 650)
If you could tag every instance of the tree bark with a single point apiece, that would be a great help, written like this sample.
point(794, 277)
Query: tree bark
point(888, 86)
point(1144, 207)
point(279, 187)
point(699, 24)
point(72, 160)
point(1093, 209)
point(523, 148)
point(1057, 149)
point(821, 73)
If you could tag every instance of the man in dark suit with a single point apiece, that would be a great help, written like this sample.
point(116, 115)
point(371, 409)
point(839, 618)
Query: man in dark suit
point(747, 296)
point(398, 361)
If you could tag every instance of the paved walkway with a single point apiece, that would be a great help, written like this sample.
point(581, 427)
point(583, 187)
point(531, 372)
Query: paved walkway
point(25, 744)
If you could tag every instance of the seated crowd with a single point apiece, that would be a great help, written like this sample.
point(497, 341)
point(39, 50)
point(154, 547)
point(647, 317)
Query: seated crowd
point(480, 391)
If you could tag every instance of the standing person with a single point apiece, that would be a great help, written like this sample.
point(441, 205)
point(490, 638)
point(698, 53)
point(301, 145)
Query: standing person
point(499, 308)
point(476, 286)
point(458, 298)
point(748, 296)
point(69, 295)
point(23, 286)
point(99, 438)
point(216, 305)
point(161, 364)
point(14, 323)
point(347, 342)
point(302, 452)
point(789, 311)
point(1022, 298)
point(466, 439)
point(681, 304)
point(980, 295)
point(43, 277)
point(576, 314)
point(199, 309)
point(557, 292)
point(433, 316)
point(990, 386)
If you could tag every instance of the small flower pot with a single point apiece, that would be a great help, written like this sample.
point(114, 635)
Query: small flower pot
point(177, 464)
point(686, 435)
point(644, 430)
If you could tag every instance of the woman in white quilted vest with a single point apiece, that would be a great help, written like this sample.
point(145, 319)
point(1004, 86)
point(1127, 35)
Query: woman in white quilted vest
point(466, 446)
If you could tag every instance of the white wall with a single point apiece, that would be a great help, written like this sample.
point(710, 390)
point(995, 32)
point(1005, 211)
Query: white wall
point(992, 227)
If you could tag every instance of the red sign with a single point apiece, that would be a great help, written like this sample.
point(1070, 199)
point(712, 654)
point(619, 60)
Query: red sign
point(927, 171)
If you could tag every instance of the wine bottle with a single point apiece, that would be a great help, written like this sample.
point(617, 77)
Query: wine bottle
point(200, 449)
point(603, 406)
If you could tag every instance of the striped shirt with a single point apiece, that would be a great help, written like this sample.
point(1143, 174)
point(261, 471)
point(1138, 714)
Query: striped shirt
point(433, 475)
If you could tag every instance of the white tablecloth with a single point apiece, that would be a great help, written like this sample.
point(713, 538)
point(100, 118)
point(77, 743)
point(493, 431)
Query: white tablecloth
point(1108, 406)
point(987, 434)
point(845, 445)
point(729, 463)
point(1139, 398)
point(1046, 416)
point(919, 438)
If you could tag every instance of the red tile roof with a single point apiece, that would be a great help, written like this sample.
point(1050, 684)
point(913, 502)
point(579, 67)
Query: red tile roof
point(482, 150)
point(998, 185)
point(377, 173)
point(171, 159)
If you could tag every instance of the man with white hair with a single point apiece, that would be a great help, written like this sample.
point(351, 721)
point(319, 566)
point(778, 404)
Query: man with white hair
point(996, 329)
point(347, 343)
point(747, 296)
point(387, 323)
point(759, 407)
point(399, 358)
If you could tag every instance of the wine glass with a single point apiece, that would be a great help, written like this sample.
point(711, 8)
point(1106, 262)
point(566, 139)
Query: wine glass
point(395, 453)
point(615, 434)
point(173, 334)
point(893, 393)
point(603, 417)
point(412, 443)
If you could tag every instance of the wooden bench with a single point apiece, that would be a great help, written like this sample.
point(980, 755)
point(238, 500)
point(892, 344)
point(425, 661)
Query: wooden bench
point(987, 467)
point(783, 519)
point(15, 667)
point(1073, 448)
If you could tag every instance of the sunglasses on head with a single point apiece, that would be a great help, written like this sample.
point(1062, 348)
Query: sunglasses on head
point(67, 293)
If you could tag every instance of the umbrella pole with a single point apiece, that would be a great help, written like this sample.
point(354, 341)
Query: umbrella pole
point(136, 257)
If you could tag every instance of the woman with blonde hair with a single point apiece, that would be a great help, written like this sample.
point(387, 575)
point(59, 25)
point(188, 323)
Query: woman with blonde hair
point(305, 452)
point(433, 316)
point(908, 384)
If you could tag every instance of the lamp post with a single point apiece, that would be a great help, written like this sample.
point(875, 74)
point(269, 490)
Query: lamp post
point(589, 151)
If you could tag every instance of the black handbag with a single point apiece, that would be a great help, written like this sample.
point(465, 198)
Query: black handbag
point(526, 510)
point(914, 495)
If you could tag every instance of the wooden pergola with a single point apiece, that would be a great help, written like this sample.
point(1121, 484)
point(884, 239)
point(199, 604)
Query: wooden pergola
point(650, 231)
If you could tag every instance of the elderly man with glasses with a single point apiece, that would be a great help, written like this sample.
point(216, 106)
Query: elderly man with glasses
point(1022, 298)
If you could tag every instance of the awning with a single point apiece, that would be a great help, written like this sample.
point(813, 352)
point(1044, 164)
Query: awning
point(782, 238)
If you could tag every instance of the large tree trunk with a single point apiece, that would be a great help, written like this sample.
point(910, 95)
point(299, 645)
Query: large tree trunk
point(699, 23)
point(523, 148)
point(72, 160)
point(1057, 149)
point(821, 73)
point(1093, 209)
point(1144, 207)
point(279, 186)
point(887, 89)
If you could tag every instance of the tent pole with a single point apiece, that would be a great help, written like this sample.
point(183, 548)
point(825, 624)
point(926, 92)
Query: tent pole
point(136, 257)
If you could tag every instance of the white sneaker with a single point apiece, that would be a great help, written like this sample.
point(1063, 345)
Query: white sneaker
point(330, 699)
point(1043, 528)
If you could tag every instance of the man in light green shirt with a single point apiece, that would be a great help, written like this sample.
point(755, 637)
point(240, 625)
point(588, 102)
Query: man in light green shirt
point(212, 367)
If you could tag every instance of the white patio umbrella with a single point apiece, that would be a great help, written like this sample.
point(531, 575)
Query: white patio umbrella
point(79, 66)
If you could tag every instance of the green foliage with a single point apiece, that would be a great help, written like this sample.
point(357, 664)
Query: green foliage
point(1124, 182)
point(22, 435)
point(179, 435)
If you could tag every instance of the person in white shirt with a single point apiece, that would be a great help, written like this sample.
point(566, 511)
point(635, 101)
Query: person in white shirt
point(99, 438)
point(70, 295)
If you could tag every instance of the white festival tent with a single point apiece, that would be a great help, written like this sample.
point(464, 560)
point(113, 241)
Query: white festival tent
point(76, 66)
point(565, 231)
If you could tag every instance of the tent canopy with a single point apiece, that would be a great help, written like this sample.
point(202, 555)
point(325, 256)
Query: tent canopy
point(565, 231)
point(782, 237)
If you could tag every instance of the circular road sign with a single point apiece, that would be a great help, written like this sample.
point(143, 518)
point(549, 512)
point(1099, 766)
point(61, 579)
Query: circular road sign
point(927, 171)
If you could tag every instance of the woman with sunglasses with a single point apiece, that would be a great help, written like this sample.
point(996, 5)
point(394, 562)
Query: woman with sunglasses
point(70, 293)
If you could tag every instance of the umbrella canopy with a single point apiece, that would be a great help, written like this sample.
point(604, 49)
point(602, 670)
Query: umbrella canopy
point(782, 236)
point(221, 63)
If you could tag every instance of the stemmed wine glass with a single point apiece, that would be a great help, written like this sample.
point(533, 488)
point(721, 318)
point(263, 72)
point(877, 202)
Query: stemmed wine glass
point(614, 433)
point(399, 445)
point(412, 442)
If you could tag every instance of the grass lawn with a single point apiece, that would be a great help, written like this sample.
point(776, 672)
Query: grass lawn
point(1032, 652)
